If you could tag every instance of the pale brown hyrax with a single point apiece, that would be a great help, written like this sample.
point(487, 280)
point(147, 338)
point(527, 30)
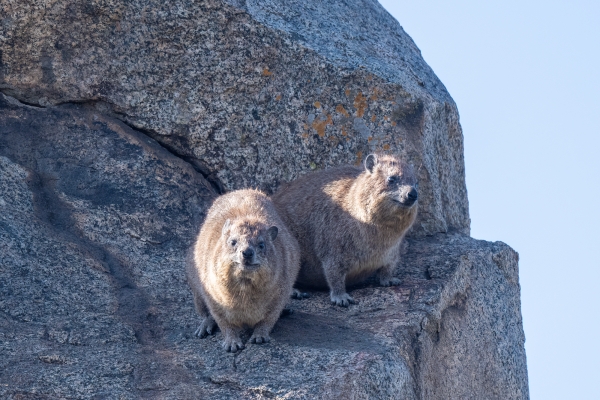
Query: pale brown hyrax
point(244, 265)
point(350, 222)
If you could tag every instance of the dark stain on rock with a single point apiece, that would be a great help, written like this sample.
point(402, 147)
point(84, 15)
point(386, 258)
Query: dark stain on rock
point(409, 113)
point(51, 145)
point(293, 127)
point(132, 301)
point(46, 61)
point(58, 166)
point(66, 50)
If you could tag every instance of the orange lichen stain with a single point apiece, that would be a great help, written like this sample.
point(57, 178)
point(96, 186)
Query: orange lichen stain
point(333, 138)
point(375, 95)
point(317, 104)
point(370, 138)
point(305, 135)
point(344, 133)
point(386, 118)
point(358, 158)
point(347, 91)
point(386, 146)
point(278, 97)
point(340, 108)
point(373, 118)
point(320, 124)
point(370, 77)
point(360, 103)
point(266, 72)
point(393, 123)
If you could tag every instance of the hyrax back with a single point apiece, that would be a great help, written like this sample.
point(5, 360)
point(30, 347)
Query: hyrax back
point(245, 262)
point(350, 221)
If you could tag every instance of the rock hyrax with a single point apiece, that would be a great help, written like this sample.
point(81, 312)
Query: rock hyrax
point(243, 267)
point(349, 222)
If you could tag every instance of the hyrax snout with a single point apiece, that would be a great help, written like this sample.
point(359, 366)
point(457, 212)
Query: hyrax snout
point(243, 268)
point(247, 241)
point(350, 222)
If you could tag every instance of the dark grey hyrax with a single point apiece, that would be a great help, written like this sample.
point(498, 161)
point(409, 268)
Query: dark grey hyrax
point(350, 222)
point(245, 262)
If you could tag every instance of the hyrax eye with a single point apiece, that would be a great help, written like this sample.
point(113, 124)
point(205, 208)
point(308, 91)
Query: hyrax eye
point(261, 245)
point(233, 243)
point(392, 179)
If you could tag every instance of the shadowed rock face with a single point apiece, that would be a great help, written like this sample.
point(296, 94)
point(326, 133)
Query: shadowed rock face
point(94, 220)
point(139, 113)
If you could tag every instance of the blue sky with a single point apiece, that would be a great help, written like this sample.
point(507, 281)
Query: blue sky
point(526, 79)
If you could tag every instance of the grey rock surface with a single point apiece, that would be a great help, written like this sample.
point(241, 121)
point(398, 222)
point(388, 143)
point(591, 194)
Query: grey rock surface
point(121, 121)
point(255, 93)
point(95, 222)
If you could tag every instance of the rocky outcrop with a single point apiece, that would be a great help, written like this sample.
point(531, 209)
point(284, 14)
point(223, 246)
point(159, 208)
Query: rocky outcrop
point(255, 92)
point(121, 121)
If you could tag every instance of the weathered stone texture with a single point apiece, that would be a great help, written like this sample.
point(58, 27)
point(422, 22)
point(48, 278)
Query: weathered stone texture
point(138, 113)
point(254, 98)
point(96, 219)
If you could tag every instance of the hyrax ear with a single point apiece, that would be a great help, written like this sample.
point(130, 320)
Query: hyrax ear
point(273, 231)
point(370, 162)
point(226, 227)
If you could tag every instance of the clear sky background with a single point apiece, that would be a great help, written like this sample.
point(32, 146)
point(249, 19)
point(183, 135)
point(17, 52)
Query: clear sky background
point(526, 78)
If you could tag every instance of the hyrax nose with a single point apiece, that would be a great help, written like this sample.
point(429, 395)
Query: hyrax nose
point(248, 253)
point(413, 195)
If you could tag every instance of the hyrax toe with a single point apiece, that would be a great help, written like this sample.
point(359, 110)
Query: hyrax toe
point(259, 339)
point(343, 300)
point(207, 327)
point(296, 294)
point(231, 345)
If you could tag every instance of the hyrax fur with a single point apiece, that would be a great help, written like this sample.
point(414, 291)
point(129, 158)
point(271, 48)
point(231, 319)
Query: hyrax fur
point(349, 222)
point(245, 262)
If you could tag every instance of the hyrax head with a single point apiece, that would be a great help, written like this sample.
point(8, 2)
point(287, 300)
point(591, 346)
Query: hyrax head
point(393, 182)
point(248, 242)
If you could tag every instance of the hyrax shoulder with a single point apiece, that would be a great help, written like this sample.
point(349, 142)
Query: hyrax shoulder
point(350, 221)
point(244, 264)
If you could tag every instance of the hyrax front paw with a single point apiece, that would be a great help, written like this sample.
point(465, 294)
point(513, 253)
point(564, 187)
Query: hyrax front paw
point(296, 294)
point(343, 299)
point(260, 335)
point(389, 281)
point(207, 327)
point(259, 339)
point(232, 344)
